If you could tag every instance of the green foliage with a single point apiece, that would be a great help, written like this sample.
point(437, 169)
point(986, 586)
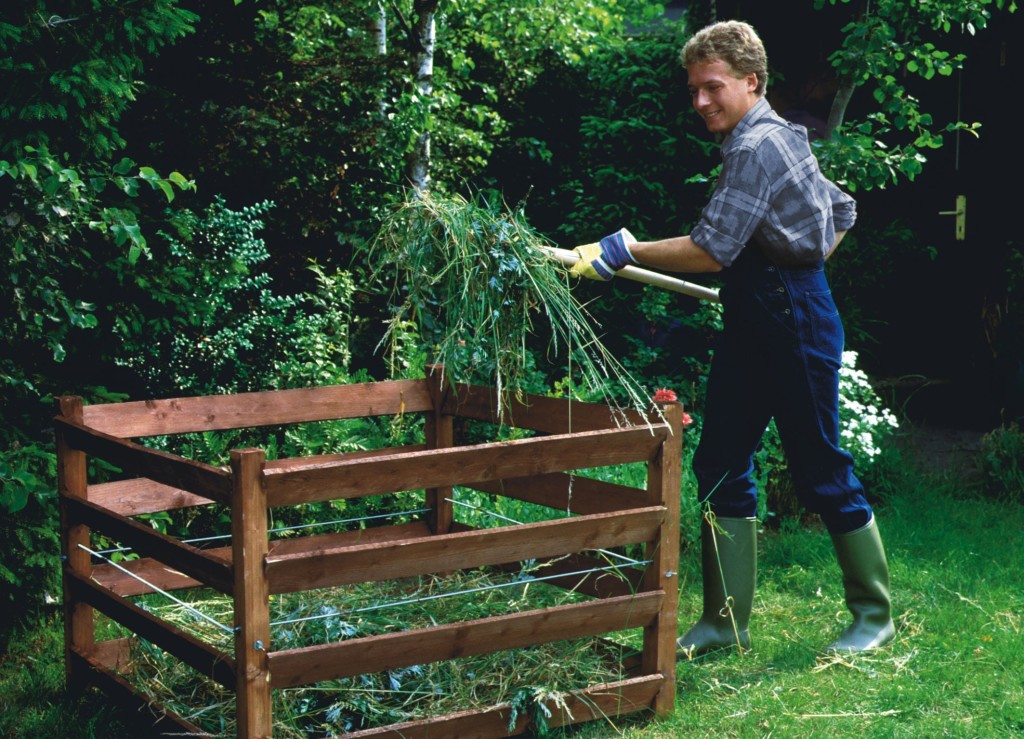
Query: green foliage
point(59, 229)
point(51, 209)
point(1001, 460)
point(603, 142)
point(201, 318)
point(28, 525)
point(71, 69)
point(886, 48)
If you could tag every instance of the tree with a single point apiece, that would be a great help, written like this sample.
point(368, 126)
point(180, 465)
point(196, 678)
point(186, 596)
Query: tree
point(886, 43)
point(68, 211)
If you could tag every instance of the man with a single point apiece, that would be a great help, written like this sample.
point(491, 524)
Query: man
point(771, 222)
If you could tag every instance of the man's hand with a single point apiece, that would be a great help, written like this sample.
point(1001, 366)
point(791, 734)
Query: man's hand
point(602, 260)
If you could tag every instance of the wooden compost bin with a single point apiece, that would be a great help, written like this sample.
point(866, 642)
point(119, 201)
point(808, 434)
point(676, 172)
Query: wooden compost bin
point(254, 566)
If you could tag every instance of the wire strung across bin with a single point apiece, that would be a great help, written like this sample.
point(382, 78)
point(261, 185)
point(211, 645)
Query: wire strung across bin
point(183, 604)
point(606, 552)
point(102, 555)
point(280, 529)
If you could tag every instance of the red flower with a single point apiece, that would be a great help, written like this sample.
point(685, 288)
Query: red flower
point(664, 395)
point(687, 419)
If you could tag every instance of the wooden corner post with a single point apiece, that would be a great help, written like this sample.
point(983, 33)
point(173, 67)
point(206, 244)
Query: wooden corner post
point(72, 482)
point(440, 434)
point(251, 594)
point(664, 476)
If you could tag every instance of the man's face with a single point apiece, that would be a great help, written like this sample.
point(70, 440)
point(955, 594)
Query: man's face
point(718, 96)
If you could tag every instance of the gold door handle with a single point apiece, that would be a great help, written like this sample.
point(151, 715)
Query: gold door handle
point(961, 216)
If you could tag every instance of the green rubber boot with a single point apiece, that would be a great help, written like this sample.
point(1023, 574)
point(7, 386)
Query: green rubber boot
point(866, 580)
point(729, 569)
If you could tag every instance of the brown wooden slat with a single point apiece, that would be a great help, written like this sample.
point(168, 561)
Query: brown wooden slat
point(312, 545)
point(284, 465)
point(115, 654)
point(538, 412)
point(201, 656)
point(597, 702)
point(138, 708)
point(464, 465)
point(166, 578)
point(560, 491)
point(247, 410)
point(294, 667)
point(196, 477)
point(253, 710)
point(182, 557)
point(72, 484)
point(659, 644)
point(152, 571)
point(141, 495)
point(460, 550)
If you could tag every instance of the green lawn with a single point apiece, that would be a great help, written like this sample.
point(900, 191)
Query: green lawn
point(955, 669)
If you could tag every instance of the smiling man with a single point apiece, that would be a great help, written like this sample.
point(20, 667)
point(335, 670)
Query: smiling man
point(771, 222)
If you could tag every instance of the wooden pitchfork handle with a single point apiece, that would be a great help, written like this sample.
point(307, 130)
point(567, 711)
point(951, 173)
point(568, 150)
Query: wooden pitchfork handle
point(646, 276)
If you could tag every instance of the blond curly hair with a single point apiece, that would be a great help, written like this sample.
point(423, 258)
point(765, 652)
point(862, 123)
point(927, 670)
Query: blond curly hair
point(734, 42)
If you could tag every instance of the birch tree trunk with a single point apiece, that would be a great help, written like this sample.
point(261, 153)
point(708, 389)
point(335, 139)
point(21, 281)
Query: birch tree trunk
point(379, 28)
point(424, 37)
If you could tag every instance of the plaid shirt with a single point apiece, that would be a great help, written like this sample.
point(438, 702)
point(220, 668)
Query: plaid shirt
point(772, 192)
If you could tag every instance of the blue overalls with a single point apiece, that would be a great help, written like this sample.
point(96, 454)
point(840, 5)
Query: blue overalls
point(778, 357)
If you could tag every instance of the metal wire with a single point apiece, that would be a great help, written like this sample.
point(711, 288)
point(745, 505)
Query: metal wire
point(286, 528)
point(606, 552)
point(410, 601)
point(439, 596)
point(183, 604)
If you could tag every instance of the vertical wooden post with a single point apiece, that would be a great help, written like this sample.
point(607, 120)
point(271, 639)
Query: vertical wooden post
point(251, 594)
point(440, 435)
point(72, 482)
point(664, 475)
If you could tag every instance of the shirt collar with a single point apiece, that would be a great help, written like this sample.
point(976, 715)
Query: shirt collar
point(761, 109)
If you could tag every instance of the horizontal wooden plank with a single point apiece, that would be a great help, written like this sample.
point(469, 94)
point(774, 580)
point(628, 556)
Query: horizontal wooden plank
point(202, 657)
point(196, 477)
point(149, 570)
point(595, 703)
point(142, 495)
point(149, 716)
point(247, 410)
point(539, 412)
point(290, 463)
point(317, 481)
point(300, 546)
point(182, 557)
point(333, 566)
point(114, 653)
point(161, 576)
point(564, 492)
point(293, 667)
point(242, 410)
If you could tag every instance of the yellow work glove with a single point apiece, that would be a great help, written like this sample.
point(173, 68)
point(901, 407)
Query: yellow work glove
point(602, 260)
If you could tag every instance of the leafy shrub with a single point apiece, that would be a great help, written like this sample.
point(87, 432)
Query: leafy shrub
point(203, 318)
point(1002, 462)
point(29, 567)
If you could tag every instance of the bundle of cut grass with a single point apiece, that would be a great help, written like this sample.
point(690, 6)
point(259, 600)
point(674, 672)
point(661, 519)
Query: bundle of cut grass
point(471, 277)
